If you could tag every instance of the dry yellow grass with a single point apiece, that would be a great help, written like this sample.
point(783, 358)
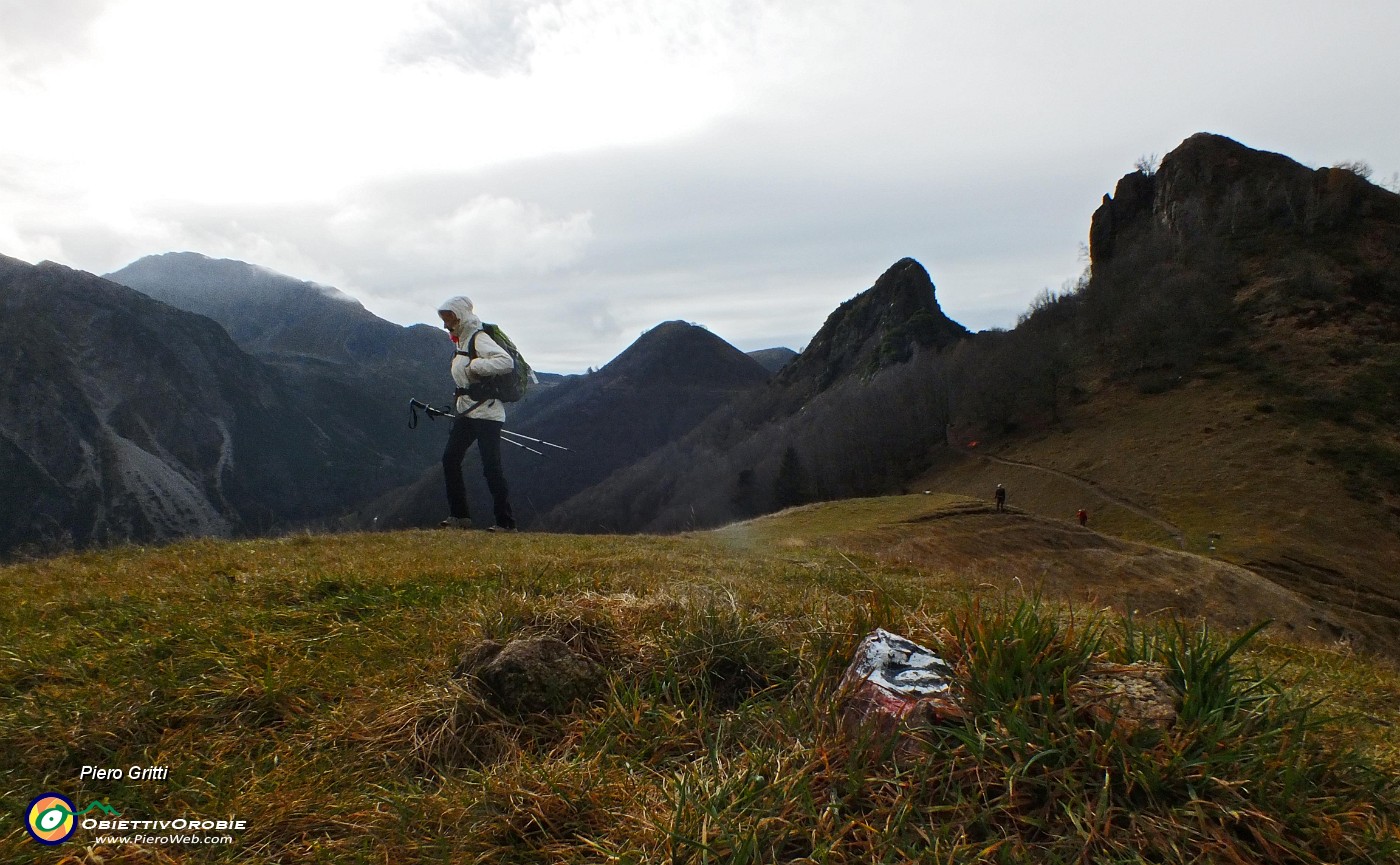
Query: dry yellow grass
point(304, 685)
point(1244, 486)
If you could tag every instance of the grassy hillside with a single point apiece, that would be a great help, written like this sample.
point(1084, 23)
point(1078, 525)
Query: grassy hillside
point(305, 686)
point(1239, 480)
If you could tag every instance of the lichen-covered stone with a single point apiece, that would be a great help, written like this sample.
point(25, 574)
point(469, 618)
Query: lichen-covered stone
point(1129, 696)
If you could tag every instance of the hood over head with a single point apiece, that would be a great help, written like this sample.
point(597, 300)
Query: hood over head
point(467, 319)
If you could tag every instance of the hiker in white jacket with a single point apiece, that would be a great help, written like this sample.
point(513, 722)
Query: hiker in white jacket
point(477, 357)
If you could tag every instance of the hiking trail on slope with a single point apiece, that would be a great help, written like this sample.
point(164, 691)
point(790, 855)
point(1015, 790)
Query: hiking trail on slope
point(1171, 528)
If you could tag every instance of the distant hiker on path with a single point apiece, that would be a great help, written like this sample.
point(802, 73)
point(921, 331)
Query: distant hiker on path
point(1001, 497)
point(1083, 517)
point(478, 420)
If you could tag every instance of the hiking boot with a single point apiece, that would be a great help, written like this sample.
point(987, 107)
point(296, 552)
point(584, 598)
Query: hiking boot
point(502, 529)
point(456, 523)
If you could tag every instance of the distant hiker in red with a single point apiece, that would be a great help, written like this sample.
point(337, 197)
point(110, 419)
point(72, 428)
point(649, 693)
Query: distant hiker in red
point(1001, 497)
point(1083, 517)
point(478, 420)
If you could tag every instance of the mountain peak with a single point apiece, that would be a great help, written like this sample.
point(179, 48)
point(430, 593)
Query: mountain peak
point(679, 353)
point(876, 328)
point(266, 313)
point(195, 272)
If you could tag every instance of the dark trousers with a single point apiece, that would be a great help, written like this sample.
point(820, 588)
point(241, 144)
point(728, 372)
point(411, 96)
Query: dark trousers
point(487, 433)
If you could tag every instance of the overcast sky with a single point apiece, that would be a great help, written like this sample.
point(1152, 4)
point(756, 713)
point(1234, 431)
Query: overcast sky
point(585, 169)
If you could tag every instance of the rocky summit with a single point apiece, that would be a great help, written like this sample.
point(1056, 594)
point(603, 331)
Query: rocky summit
point(876, 328)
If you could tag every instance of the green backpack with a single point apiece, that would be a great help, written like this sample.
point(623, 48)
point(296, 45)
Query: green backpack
point(508, 386)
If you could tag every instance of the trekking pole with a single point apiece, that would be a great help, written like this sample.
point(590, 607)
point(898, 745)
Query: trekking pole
point(415, 404)
point(521, 445)
point(535, 440)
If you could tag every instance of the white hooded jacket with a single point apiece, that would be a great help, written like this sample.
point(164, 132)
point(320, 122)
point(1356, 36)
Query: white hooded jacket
point(490, 359)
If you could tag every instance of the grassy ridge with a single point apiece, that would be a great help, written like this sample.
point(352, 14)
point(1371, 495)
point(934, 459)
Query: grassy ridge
point(304, 685)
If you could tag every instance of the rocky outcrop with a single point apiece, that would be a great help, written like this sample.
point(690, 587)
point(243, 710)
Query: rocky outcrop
point(1229, 262)
point(876, 328)
point(1213, 186)
point(1130, 204)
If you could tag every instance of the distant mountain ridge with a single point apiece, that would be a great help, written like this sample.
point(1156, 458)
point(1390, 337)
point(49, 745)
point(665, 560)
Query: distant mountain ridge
point(268, 313)
point(773, 359)
point(822, 416)
point(123, 418)
point(356, 368)
point(322, 362)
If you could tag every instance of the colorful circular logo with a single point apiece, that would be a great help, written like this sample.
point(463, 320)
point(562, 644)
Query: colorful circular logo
point(50, 818)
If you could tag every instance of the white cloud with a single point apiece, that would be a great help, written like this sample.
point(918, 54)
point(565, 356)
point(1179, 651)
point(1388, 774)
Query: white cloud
point(39, 35)
point(493, 37)
point(485, 236)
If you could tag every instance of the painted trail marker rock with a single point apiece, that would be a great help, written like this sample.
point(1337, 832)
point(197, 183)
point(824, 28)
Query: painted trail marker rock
point(894, 684)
